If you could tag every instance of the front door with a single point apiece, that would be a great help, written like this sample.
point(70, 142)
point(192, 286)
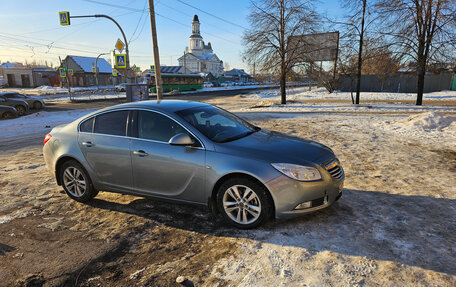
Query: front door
point(162, 169)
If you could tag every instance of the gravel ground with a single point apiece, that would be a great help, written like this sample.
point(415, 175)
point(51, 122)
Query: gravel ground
point(393, 226)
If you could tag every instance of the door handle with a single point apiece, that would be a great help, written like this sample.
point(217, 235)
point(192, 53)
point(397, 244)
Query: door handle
point(87, 144)
point(140, 153)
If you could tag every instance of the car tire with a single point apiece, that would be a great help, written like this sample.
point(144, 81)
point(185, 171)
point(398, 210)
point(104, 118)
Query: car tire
point(76, 181)
point(20, 110)
point(8, 115)
point(244, 203)
point(37, 105)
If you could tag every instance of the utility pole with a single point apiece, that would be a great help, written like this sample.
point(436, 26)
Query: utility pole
point(158, 79)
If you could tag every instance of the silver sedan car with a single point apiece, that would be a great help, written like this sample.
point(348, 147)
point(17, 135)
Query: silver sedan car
point(196, 153)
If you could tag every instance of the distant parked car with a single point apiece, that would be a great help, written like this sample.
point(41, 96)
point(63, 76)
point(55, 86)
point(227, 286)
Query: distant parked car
point(7, 112)
point(33, 102)
point(207, 84)
point(121, 87)
point(216, 84)
point(20, 105)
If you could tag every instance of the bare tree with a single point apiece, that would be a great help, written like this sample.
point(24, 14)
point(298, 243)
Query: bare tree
point(355, 27)
point(422, 30)
point(272, 23)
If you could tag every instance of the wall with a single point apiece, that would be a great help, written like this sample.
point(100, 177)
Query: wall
point(397, 83)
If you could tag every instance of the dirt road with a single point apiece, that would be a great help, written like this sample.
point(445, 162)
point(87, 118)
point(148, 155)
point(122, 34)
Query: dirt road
point(394, 225)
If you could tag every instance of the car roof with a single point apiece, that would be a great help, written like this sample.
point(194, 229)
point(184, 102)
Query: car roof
point(169, 106)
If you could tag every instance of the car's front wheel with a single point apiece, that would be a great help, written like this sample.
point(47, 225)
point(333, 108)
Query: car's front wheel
point(76, 182)
point(37, 105)
point(244, 203)
point(20, 110)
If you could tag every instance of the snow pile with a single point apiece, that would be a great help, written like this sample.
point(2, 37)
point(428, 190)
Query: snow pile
point(38, 122)
point(430, 121)
point(427, 127)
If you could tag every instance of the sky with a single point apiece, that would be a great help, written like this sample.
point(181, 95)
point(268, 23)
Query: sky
point(30, 29)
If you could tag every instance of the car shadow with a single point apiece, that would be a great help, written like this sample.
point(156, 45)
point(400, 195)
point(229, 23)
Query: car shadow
point(406, 229)
point(5, 248)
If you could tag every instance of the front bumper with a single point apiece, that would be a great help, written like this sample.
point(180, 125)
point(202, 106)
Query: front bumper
point(287, 193)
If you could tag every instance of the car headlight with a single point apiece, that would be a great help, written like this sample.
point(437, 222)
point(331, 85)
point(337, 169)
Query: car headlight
point(298, 172)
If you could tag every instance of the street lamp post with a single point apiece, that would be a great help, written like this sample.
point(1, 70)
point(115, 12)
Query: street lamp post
point(96, 67)
point(127, 60)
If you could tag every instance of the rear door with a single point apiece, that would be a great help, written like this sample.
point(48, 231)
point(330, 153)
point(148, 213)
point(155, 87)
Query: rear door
point(162, 169)
point(107, 149)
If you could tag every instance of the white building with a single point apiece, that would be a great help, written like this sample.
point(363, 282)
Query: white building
point(199, 57)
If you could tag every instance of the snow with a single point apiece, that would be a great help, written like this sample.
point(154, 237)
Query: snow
point(39, 122)
point(303, 93)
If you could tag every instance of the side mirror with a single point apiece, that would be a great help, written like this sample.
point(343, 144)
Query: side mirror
point(181, 139)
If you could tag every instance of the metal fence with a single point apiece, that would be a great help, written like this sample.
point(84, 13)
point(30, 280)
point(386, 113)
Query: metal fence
point(397, 83)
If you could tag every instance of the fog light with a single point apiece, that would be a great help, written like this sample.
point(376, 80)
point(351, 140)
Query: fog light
point(304, 205)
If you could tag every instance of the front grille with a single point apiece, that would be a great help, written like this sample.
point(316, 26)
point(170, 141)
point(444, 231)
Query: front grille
point(335, 169)
point(318, 201)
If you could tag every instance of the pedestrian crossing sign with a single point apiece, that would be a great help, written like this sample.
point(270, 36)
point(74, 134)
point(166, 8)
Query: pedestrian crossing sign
point(94, 70)
point(137, 70)
point(70, 72)
point(120, 61)
point(62, 72)
point(114, 72)
point(64, 18)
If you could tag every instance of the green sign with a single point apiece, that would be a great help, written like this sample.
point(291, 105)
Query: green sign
point(64, 18)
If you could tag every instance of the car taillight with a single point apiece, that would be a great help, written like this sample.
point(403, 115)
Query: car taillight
point(47, 138)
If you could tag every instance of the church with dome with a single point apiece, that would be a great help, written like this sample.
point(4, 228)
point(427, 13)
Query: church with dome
point(199, 57)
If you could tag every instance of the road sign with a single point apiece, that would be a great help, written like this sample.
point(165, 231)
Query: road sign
point(120, 61)
point(64, 18)
point(70, 72)
point(137, 70)
point(114, 72)
point(62, 72)
point(152, 68)
point(119, 45)
point(94, 69)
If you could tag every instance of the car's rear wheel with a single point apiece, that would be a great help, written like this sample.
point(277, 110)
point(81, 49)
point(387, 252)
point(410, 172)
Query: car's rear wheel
point(76, 182)
point(7, 115)
point(244, 203)
point(37, 105)
point(20, 110)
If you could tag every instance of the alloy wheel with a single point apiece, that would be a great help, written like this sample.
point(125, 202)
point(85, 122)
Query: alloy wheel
point(74, 181)
point(242, 204)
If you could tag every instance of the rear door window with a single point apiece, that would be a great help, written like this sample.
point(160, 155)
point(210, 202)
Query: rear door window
point(112, 123)
point(86, 126)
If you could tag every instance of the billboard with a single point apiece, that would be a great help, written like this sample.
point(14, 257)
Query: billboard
point(313, 47)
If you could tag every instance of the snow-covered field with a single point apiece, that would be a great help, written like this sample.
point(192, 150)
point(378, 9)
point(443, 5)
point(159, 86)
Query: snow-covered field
point(301, 100)
point(39, 122)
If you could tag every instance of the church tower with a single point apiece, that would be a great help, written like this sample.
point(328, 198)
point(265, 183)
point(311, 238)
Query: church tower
point(196, 41)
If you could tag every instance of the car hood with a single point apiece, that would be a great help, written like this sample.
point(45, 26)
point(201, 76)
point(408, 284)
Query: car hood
point(278, 147)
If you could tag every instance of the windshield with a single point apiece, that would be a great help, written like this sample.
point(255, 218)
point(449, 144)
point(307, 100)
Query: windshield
point(216, 124)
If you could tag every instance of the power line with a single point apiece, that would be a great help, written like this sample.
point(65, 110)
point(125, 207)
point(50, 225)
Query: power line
point(210, 14)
